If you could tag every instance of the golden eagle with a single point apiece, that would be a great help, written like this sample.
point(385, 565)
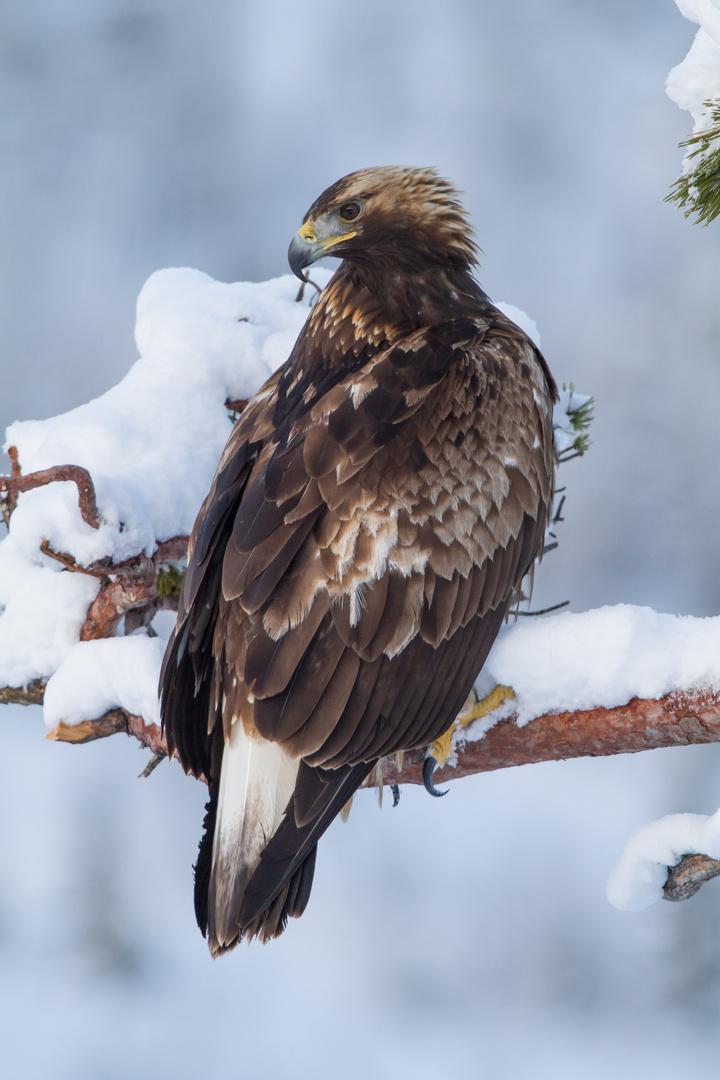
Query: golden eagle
point(374, 511)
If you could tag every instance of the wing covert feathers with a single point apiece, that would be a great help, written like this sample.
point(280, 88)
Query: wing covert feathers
point(375, 510)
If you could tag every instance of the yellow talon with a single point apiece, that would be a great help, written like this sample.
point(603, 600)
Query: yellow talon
point(442, 747)
point(488, 704)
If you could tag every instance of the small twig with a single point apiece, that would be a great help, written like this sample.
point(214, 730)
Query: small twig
point(545, 610)
point(113, 721)
point(58, 473)
point(32, 694)
point(152, 765)
point(307, 280)
point(236, 405)
point(565, 456)
point(684, 879)
point(70, 563)
point(89, 730)
point(8, 498)
point(558, 513)
point(12, 453)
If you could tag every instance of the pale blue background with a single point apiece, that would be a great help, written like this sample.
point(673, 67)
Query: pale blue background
point(469, 937)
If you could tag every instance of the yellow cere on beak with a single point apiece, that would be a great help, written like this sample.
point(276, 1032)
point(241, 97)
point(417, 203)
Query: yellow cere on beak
point(308, 233)
point(306, 248)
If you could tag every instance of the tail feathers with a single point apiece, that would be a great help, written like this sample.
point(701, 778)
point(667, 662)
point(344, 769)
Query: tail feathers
point(287, 862)
point(255, 869)
point(256, 783)
point(290, 902)
point(204, 862)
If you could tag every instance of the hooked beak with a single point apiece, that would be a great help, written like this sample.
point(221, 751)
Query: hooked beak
point(306, 248)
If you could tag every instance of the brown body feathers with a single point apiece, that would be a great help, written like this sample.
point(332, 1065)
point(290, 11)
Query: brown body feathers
point(377, 505)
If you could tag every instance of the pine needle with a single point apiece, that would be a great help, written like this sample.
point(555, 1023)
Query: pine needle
point(698, 190)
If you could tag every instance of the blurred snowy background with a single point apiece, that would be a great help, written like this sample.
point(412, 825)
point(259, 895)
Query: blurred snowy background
point(466, 938)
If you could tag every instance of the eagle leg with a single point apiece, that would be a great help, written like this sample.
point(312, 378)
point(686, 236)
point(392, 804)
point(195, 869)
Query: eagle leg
point(440, 750)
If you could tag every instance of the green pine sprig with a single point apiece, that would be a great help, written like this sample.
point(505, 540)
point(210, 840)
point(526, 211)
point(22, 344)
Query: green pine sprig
point(698, 190)
point(169, 581)
point(581, 417)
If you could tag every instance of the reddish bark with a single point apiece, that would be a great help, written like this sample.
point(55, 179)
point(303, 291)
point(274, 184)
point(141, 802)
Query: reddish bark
point(679, 719)
point(12, 453)
point(8, 496)
point(172, 550)
point(133, 585)
point(113, 721)
point(11, 485)
point(676, 720)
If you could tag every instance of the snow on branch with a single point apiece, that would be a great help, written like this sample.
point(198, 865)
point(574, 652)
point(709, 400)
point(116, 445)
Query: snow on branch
point(91, 569)
point(678, 719)
point(688, 844)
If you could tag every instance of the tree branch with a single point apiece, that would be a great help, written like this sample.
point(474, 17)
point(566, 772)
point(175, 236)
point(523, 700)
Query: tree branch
point(139, 586)
point(134, 585)
point(32, 694)
point(10, 486)
point(112, 722)
point(679, 719)
point(684, 880)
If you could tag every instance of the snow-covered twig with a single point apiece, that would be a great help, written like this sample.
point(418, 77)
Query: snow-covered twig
point(32, 694)
point(139, 586)
point(12, 485)
point(679, 719)
point(668, 859)
point(111, 723)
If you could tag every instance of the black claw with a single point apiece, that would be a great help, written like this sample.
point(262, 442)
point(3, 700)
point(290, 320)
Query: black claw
point(429, 766)
point(395, 793)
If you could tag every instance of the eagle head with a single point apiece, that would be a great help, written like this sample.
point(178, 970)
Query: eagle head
point(404, 219)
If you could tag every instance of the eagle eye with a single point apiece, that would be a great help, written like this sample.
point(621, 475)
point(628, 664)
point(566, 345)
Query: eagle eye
point(350, 211)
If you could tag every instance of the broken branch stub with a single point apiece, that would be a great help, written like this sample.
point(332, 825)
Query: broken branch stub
point(112, 722)
point(684, 879)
